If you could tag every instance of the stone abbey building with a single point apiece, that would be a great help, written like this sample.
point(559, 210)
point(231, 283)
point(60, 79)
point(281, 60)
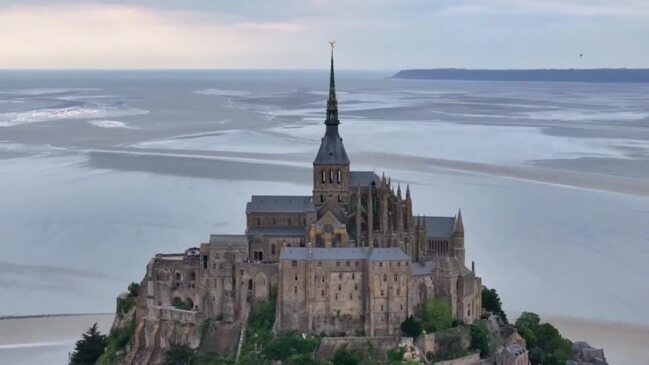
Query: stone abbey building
point(349, 258)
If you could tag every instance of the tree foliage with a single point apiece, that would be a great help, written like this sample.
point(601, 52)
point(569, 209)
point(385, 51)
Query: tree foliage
point(491, 303)
point(480, 338)
point(88, 349)
point(133, 289)
point(547, 346)
point(343, 356)
point(179, 355)
point(283, 346)
point(437, 315)
point(411, 327)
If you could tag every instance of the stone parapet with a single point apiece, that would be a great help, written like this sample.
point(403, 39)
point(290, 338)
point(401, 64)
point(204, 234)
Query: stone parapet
point(174, 314)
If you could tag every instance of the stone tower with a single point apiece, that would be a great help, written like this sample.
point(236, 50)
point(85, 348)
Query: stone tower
point(331, 165)
point(458, 238)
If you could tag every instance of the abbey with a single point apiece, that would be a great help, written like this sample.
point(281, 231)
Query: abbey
point(349, 258)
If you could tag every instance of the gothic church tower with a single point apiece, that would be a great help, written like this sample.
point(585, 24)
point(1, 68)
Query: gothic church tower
point(331, 165)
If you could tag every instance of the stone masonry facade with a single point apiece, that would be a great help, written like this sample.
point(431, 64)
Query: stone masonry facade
point(349, 258)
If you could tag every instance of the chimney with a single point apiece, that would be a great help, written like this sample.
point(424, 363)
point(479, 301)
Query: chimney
point(473, 267)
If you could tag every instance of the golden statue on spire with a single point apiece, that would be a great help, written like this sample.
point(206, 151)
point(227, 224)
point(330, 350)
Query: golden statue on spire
point(332, 44)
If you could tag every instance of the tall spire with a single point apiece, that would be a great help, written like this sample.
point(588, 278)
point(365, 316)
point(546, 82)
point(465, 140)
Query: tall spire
point(332, 103)
point(459, 225)
point(331, 149)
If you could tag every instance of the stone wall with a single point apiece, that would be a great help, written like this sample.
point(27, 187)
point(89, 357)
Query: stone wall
point(472, 359)
point(375, 347)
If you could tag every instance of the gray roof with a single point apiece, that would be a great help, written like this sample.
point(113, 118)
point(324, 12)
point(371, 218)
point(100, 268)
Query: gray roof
point(388, 254)
point(343, 253)
point(332, 150)
point(226, 240)
point(277, 231)
point(363, 178)
point(439, 226)
point(280, 204)
point(516, 350)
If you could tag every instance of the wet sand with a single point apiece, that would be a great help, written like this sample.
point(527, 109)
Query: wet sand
point(45, 340)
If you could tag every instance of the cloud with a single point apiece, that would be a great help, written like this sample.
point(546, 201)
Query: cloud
point(118, 36)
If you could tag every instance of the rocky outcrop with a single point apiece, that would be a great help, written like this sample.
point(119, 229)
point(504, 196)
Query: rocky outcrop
point(153, 337)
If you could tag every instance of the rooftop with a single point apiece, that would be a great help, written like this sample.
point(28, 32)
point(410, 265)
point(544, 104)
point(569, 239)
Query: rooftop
point(227, 240)
point(343, 253)
point(442, 227)
point(363, 178)
point(280, 204)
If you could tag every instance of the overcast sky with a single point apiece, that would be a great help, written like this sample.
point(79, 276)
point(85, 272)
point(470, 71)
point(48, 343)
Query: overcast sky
point(370, 34)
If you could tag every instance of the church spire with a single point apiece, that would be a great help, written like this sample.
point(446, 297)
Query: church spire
point(331, 149)
point(332, 103)
point(459, 225)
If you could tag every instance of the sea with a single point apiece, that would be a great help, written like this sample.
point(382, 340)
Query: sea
point(101, 170)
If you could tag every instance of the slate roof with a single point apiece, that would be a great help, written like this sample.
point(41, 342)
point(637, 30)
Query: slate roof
point(439, 226)
point(226, 240)
point(277, 231)
point(516, 350)
point(388, 254)
point(343, 253)
point(363, 178)
point(332, 150)
point(280, 204)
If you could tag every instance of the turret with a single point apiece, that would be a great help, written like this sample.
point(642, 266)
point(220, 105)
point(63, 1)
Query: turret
point(458, 238)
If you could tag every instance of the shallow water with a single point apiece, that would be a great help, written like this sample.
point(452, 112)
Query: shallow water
point(101, 170)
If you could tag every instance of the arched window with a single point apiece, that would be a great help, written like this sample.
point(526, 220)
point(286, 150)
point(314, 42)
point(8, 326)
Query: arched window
point(272, 249)
point(192, 276)
point(331, 176)
point(179, 277)
point(338, 176)
point(324, 176)
point(339, 199)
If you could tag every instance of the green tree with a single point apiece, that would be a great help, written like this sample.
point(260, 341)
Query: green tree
point(437, 315)
point(411, 327)
point(395, 356)
point(133, 289)
point(343, 356)
point(491, 303)
point(179, 355)
point(547, 346)
point(288, 344)
point(88, 349)
point(480, 338)
point(528, 319)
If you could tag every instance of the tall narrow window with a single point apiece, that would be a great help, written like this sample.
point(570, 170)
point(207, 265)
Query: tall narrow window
point(338, 176)
point(324, 176)
point(258, 221)
point(272, 249)
point(339, 199)
point(331, 176)
point(321, 198)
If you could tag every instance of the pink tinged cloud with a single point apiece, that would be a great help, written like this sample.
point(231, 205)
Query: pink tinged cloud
point(108, 36)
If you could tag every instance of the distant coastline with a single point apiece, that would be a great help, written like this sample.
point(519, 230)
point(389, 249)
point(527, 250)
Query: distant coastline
point(601, 75)
point(55, 315)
